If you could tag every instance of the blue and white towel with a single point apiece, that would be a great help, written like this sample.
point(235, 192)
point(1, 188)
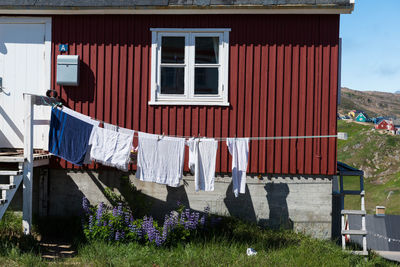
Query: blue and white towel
point(69, 136)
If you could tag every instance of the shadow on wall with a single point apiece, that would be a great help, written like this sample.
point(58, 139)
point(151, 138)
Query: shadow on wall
point(65, 197)
point(241, 206)
point(140, 203)
point(85, 91)
point(278, 209)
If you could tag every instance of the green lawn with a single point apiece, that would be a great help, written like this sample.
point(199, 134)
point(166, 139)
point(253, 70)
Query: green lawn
point(225, 246)
point(368, 149)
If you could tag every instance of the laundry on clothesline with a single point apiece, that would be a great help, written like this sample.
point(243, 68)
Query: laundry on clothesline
point(118, 129)
point(239, 149)
point(160, 159)
point(202, 158)
point(79, 116)
point(69, 134)
point(111, 148)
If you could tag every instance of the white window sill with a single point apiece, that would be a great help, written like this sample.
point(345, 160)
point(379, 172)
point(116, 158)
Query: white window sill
point(187, 103)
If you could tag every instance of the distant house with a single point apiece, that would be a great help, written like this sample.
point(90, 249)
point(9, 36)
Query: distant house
point(352, 113)
point(391, 128)
point(386, 125)
point(382, 125)
point(362, 117)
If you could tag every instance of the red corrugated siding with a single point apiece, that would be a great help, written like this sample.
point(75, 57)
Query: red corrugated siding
point(282, 81)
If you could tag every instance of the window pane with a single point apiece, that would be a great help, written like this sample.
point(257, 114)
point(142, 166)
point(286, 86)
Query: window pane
point(207, 50)
point(172, 80)
point(173, 50)
point(206, 81)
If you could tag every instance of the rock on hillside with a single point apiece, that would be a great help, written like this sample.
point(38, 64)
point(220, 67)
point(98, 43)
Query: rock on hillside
point(372, 102)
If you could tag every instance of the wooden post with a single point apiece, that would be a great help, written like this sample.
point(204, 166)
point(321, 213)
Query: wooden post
point(28, 165)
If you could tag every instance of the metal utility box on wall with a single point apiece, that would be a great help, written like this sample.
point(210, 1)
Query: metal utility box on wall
point(68, 70)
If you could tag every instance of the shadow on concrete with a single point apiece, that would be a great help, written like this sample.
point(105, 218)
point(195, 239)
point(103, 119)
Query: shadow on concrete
point(65, 197)
point(278, 208)
point(140, 204)
point(241, 206)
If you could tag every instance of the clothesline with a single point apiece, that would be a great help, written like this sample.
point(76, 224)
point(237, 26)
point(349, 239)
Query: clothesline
point(223, 139)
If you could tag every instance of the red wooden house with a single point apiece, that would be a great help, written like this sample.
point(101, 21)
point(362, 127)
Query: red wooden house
point(382, 125)
point(213, 68)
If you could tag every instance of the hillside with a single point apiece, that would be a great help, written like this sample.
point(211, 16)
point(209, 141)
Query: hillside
point(378, 155)
point(372, 102)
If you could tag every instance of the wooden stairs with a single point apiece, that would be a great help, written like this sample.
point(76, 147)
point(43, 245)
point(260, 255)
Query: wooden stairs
point(11, 174)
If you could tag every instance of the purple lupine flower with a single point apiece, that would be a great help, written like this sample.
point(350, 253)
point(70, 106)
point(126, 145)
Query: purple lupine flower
point(114, 213)
point(104, 223)
point(182, 219)
point(139, 232)
point(119, 209)
point(85, 205)
point(117, 236)
point(187, 213)
point(90, 222)
point(132, 228)
point(178, 203)
point(99, 213)
point(127, 217)
point(203, 220)
point(158, 240)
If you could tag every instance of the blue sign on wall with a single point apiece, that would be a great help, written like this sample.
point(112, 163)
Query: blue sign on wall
point(63, 48)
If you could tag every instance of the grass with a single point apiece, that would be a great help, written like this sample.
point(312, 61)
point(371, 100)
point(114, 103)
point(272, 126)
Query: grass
point(377, 153)
point(224, 246)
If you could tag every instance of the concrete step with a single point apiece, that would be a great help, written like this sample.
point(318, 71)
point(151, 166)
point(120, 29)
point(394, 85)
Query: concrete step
point(10, 172)
point(354, 232)
point(7, 186)
point(360, 252)
point(355, 212)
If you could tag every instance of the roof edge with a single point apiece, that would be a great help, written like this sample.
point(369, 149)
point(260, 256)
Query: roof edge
point(179, 9)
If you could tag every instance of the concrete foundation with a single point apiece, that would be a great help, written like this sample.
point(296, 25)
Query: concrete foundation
point(302, 203)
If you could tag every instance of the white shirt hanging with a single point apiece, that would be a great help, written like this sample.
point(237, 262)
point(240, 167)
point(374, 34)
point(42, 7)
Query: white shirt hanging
point(202, 157)
point(160, 159)
point(239, 149)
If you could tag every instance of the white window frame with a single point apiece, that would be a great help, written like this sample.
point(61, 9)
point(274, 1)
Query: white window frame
point(188, 98)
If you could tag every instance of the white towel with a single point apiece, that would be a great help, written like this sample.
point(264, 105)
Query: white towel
point(80, 116)
point(111, 148)
point(239, 149)
point(202, 157)
point(160, 159)
point(118, 129)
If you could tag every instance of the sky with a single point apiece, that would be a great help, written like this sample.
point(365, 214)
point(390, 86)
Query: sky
point(371, 46)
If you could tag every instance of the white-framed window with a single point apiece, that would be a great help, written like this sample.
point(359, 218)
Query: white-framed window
point(189, 66)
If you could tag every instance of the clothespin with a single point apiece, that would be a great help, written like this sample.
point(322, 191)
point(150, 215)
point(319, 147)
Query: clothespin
point(161, 137)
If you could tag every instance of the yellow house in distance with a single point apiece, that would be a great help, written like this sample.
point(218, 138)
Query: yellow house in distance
point(352, 113)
